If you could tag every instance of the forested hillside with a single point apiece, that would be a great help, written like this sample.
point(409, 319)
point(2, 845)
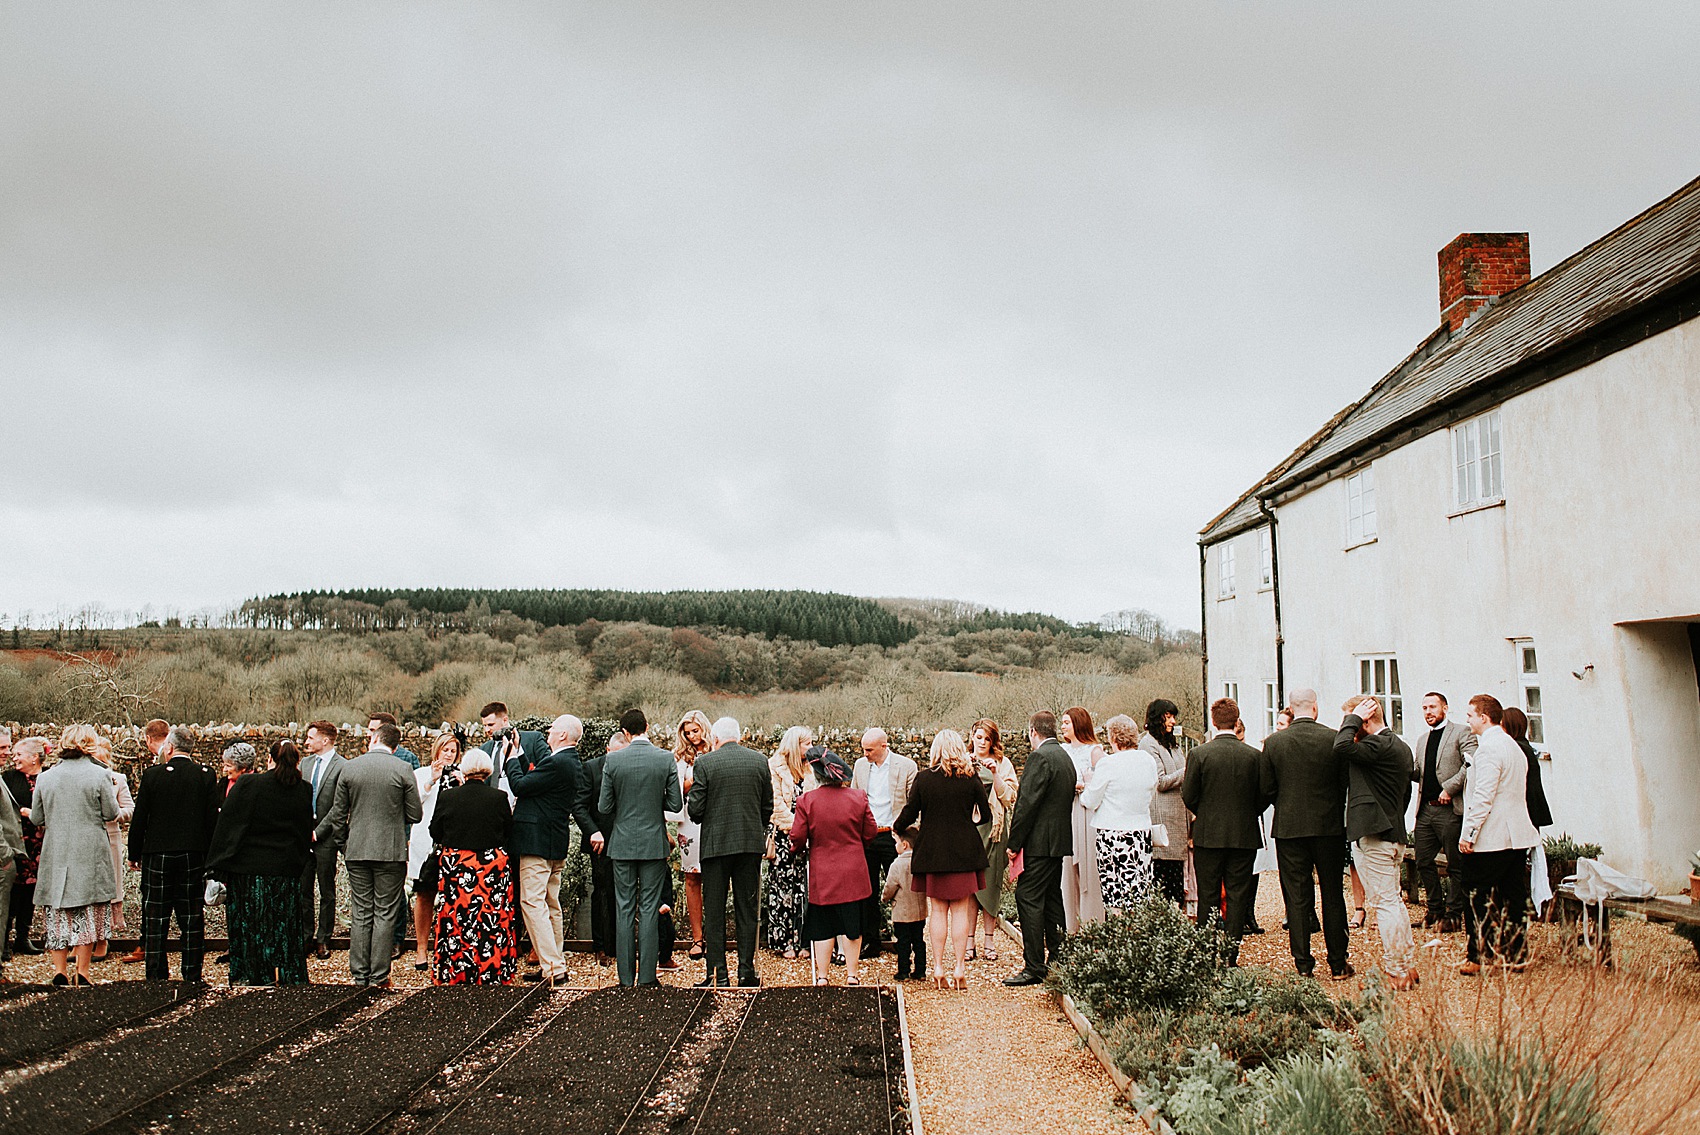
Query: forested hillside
point(429, 656)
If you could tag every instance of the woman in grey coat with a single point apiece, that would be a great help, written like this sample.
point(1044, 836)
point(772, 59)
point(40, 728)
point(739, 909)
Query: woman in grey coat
point(73, 802)
point(1167, 808)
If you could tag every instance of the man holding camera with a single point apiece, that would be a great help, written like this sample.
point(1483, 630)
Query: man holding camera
point(506, 743)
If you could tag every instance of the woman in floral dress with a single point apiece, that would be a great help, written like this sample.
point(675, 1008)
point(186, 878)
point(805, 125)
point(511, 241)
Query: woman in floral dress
point(787, 899)
point(477, 938)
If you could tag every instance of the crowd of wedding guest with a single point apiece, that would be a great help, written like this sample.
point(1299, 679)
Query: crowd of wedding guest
point(467, 847)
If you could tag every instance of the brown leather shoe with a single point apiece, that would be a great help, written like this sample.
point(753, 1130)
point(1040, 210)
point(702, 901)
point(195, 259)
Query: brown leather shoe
point(1470, 969)
point(134, 956)
point(322, 951)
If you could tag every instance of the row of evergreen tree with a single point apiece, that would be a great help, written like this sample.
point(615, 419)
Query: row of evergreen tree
point(810, 616)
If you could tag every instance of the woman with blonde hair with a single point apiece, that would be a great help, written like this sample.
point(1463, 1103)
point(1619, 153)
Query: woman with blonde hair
point(948, 864)
point(1118, 801)
point(787, 900)
point(690, 741)
point(1083, 900)
point(114, 829)
point(75, 881)
point(998, 775)
point(431, 779)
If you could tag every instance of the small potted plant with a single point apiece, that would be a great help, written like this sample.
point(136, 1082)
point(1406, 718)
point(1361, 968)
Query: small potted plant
point(1694, 882)
point(1562, 854)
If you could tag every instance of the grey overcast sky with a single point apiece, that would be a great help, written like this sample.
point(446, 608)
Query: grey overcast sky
point(998, 302)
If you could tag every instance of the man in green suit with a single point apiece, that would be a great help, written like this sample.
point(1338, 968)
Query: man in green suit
point(732, 798)
point(1040, 831)
point(1225, 788)
point(640, 784)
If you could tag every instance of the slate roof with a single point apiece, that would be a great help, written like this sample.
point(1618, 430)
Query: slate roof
point(1638, 262)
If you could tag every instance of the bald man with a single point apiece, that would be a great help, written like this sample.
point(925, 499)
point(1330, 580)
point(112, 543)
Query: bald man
point(546, 793)
point(887, 778)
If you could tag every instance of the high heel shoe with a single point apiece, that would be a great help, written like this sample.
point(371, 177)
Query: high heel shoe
point(959, 982)
point(940, 980)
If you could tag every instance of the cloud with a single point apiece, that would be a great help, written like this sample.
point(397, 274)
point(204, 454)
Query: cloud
point(987, 301)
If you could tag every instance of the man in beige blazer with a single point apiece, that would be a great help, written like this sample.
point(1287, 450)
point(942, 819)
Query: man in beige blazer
point(887, 778)
point(1495, 841)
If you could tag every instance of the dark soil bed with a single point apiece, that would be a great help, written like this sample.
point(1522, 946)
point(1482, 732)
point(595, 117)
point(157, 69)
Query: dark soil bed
point(585, 1072)
point(811, 1061)
point(67, 1016)
point(350, 1079)
point(102, 1082)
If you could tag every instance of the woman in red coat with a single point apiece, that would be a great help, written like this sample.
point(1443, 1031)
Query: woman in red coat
point(834, 825)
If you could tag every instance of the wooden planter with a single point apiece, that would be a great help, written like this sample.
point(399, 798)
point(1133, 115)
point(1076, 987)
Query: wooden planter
point(1694, 893)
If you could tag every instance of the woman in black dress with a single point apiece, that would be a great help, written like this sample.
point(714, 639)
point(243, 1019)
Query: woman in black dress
point(260, 847)
point(949, 861)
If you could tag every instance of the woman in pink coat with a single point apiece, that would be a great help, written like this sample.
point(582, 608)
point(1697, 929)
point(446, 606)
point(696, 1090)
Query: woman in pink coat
point(834, 825)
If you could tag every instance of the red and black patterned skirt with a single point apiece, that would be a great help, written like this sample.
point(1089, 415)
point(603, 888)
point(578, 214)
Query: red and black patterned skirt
point(477, 928)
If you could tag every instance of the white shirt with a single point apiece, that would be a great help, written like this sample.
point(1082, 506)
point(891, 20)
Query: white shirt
point(879, 792)
point(1119, 789)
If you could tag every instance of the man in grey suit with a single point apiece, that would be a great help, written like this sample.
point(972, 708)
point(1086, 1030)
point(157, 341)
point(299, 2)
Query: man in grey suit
point(640, 784)
point(376, 799)
point(321, 770)
point(732, 798)
point(1310, 831)
point(1225, 788)
point(1440, 766)
point(1042, 833)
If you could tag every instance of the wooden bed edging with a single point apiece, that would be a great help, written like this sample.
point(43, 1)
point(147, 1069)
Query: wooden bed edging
point(1126, 1085)
point(908, 1065)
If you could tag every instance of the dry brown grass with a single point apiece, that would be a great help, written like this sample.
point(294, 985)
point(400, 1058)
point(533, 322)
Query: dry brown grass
point(1631, 1033)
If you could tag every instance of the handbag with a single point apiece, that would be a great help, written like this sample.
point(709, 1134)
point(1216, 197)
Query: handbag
point(215, 893)
point(772, 851)
point(1159, 835)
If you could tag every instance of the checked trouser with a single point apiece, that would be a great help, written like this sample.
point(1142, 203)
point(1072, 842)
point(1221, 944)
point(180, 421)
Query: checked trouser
point(173, 883)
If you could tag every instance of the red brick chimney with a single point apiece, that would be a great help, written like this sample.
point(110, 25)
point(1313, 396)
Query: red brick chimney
point(1475, 268)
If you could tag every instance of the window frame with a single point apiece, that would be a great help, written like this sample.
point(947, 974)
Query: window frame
point(1383, 670)
point(1474, 464)
point(1271, 708)
point(1226, 582)
point(1364, 527)
point(1265, 557)
point(1526, 662)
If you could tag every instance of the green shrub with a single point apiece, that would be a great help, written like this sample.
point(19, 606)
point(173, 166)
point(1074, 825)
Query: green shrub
point(1486, 1086)
point(1150, 956)
point(1562, 846)
point(1206, 1092)
point(1253, 1037)
point(1307, 1095)
point(1288, 994)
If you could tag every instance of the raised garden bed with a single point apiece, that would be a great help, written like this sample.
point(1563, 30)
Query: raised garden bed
point(813, 1061)
point(102, 1082)
point(585, 1072)
point(501, 1060)
point(63, 1017)
point(348, 1078)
